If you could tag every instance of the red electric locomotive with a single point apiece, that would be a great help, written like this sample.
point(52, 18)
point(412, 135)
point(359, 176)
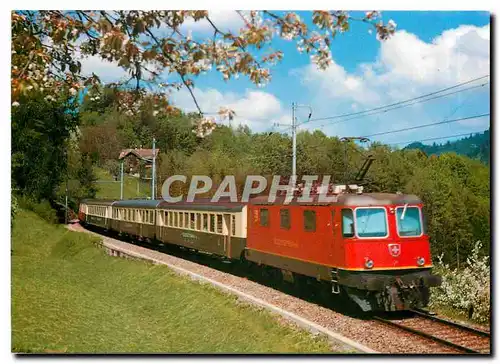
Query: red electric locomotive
point(371, 246)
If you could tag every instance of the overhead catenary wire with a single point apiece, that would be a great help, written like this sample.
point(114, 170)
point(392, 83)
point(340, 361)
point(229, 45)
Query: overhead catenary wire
point(401, 106)
point(413, 128)
point(427, 125)
point(410, 101)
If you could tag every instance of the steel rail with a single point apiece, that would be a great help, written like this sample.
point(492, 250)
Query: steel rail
point(427, 336)
point(451, 323)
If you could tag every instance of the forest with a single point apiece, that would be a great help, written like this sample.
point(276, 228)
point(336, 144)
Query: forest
point(475, 146)
point(63, 144)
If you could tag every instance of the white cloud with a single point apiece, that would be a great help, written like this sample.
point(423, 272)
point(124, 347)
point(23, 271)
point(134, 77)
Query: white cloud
point(107, 71)
point(225, 20)
point(456, 55)
point(257, 109)
point(405, 67)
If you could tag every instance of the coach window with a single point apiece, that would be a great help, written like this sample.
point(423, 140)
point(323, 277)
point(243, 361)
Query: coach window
point(212, 223)
point(186, 220)
point(198, 221)
point(309, 220)
point(205, 222)
point(285, 218)
point(233, 225)
point(219, 224)
point(347, 223)
point(264, 217)
point(192, 220)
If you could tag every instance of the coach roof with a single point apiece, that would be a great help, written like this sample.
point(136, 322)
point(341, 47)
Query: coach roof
point(138, 204)
point(89, 201)
point(204, 204)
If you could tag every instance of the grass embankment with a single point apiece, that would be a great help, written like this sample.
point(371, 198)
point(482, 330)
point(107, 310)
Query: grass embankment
point(111, 189)
point(69, 296)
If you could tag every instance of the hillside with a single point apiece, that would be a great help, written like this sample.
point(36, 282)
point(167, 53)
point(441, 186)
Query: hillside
point(68, 296)
point(476, 146)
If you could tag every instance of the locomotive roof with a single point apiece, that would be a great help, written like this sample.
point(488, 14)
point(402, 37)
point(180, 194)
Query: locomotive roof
point(348, 199)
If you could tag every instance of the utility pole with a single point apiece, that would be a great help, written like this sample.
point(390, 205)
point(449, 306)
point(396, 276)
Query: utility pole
point(294, 142)
point(66, 203)
point(295, 106)
point(121, 179)
point(153, 171)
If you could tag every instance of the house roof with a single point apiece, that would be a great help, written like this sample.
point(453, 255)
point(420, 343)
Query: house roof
point(145, 154)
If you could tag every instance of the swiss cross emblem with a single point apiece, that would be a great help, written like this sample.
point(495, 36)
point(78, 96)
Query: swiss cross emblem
point(395, 249)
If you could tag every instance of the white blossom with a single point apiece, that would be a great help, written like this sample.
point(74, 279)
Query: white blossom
point(392, 24)
point(15, 104)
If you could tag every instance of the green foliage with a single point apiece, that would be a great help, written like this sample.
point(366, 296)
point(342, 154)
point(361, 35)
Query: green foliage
point(476, 146)
point(454, 188)
point(41, 208)
point(40, 131)
point(456, 192)
point(14, 207)
point(68, 296)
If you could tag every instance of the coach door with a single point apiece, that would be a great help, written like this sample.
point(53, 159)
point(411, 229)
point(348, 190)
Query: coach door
point(226, 230)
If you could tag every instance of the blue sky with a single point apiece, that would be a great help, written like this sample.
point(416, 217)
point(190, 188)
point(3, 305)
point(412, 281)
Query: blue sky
point(430, 51)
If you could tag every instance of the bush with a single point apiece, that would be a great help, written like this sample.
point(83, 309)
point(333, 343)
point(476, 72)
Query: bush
point(41, 208)
point(14, 208)
point(466, 289)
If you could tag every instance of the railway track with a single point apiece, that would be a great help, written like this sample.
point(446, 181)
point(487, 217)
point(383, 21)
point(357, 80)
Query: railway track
point(429, 340)
point(446, 333)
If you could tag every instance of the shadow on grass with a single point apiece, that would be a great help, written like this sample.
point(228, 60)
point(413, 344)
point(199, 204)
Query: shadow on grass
point(317, 293)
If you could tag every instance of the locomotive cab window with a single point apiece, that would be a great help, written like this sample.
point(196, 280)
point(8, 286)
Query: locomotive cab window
point(285, 218)
point(409, 222)
point(264, 217)
point(347, 223)
point(371, 222)
point(309, 220)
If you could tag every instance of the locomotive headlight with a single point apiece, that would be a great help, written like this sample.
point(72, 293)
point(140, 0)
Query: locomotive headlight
point(420, 261)
point(369, 263)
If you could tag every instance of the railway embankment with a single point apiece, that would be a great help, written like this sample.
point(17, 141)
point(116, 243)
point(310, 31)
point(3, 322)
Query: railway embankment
point(70, 297)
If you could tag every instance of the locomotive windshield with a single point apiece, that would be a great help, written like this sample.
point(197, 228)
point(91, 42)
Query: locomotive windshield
point(371, 222)
point(409, 221)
